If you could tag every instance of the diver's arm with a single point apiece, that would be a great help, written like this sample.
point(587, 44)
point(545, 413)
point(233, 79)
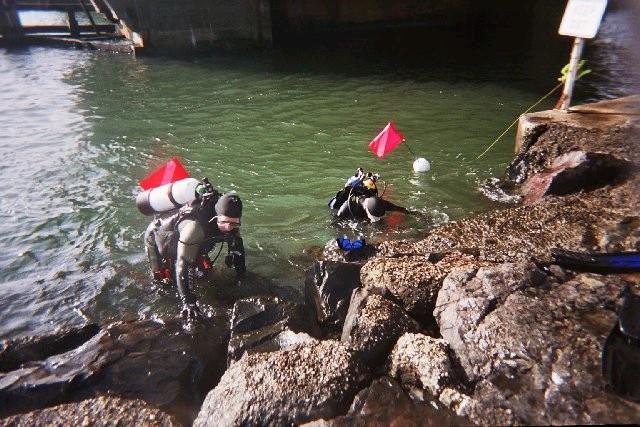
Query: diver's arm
point(344, 209)
point(150, 247)
point(390, 207)
point(191, 237)
point(236, 252)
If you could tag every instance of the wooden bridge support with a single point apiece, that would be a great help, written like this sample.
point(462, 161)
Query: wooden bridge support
point(74, 28)
point(10, 26)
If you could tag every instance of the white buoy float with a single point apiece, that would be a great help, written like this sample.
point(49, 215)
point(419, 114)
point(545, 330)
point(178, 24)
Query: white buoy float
point(421, 165)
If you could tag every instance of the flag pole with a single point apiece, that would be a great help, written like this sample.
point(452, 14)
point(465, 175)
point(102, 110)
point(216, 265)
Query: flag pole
point(408, 148)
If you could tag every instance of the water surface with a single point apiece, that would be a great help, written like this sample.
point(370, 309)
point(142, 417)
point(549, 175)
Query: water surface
point(78, 130)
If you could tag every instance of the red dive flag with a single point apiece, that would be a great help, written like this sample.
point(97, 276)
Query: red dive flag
point(172, 171)
point(386, 140)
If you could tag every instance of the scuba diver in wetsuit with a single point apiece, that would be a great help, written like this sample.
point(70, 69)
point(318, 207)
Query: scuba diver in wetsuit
point(359, 199)
point(356, 179)
point(178, 243)
point(361, 207)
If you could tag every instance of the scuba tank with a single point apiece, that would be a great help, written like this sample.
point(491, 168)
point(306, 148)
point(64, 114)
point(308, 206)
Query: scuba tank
point(167, 197)
point(617, 262)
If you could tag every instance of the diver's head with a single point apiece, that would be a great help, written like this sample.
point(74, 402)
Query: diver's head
point(374, 207)
point(228, 212)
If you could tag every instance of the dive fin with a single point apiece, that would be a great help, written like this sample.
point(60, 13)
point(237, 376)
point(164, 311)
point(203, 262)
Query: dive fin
point(619, 262)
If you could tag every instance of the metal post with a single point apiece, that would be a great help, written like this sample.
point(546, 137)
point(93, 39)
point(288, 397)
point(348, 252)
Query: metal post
point(576, 52)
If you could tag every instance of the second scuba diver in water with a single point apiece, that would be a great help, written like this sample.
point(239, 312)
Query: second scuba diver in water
point(177, 243)
point(359, 199)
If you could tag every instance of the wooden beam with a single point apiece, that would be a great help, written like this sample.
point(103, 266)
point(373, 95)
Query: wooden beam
point(43, 8)
point(46, 29)
point(102, 7)
point(88, 13)
point(44, 5)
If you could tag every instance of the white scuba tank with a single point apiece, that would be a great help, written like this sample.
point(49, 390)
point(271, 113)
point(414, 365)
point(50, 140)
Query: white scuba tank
point(167, 197)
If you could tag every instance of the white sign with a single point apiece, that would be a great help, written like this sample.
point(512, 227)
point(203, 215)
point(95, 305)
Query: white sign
point(582, 18)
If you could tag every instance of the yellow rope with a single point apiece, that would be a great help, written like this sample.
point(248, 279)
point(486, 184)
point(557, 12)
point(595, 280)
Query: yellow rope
point(517, 118)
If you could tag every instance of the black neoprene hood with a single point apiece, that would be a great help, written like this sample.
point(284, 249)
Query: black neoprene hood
point(229, 205)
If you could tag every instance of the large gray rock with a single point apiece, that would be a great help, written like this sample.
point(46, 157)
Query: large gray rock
point(327, 290)
point(384, 403)
point(157, 362)
point(467, 297)
point(266, 323)
point(99, 411)
point(414, 280)
point(575, 171)
point(610, 126)
point(303, 383)
point(532, 343)
point(373, 325)
point(421, 361)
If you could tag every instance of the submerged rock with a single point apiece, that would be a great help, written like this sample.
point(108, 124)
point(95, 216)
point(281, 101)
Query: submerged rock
point(327, 290)
point(293, 386)
point(260, 324)
point(499, 190)
point(99, 411)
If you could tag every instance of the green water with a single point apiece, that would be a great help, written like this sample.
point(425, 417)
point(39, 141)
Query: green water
point(283, 130)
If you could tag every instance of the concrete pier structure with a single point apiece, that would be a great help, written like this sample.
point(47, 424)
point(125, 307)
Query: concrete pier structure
point(10, 26)
point(172, 24)
point(189, 24)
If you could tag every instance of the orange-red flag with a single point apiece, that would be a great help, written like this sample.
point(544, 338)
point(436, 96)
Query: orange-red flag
point(386, 140)
point(172, 171)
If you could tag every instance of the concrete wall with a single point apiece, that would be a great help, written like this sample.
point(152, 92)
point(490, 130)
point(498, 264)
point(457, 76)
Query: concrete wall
point(301, 13)
point(186, 24)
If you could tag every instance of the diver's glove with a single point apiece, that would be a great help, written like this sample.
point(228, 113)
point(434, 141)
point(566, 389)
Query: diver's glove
point(162, 276)
point(191, 312)
point(236, 259)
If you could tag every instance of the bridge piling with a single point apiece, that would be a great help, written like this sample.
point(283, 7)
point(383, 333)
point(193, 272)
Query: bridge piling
point(10, 25)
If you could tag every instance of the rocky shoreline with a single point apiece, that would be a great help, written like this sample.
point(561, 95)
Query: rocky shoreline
point(474, 324)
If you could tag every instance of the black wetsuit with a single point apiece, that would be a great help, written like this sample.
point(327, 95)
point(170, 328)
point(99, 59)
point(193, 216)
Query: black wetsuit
point(354, 208)
point(346, 192)
point(176, 240)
